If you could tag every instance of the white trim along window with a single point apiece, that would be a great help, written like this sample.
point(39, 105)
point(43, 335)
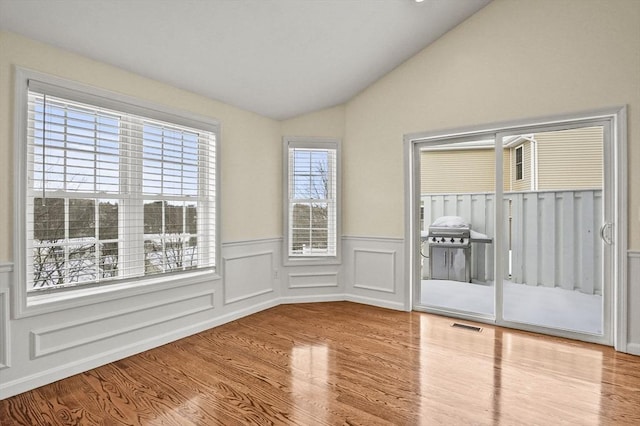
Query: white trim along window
point(312, 199)
point(113, 190)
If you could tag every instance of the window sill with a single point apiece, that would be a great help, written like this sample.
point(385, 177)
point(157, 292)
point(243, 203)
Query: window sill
point(312, 261)
point(37, 304)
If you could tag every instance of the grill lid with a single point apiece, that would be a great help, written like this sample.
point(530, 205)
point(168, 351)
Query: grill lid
point(449, 226)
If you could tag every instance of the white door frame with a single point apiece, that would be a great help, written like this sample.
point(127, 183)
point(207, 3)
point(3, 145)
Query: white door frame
point(615, 161)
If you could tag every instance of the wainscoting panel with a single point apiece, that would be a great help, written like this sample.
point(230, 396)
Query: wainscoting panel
point(247, 276)
point(5, 268)
point(312, 283)
point(85, 331)
point(633, 306)
point(313, 280)
point(6, 274)
point(4, 329)
point(373, 272)
point(54, 345)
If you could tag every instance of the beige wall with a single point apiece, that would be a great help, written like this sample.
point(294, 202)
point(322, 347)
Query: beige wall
point(328, 123)
point(514, 59)
point(250, 144)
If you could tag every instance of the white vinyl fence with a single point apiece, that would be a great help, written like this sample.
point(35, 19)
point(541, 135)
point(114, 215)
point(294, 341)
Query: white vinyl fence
point(552, 236)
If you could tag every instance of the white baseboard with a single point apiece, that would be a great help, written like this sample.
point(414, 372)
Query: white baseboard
point(288, 300)
point(633, 348)
point(343, 298)
point(397, 306)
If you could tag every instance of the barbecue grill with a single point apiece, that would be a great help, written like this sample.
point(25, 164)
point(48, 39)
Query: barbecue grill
point(449, 241)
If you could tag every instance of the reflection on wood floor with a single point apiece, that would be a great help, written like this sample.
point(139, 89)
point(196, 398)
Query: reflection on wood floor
point(345, 363)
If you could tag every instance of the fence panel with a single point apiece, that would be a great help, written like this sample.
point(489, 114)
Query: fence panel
point(551, 236)
point(530, 243)
point(568, 264)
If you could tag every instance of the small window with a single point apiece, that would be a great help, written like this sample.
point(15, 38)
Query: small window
point(519, 163)
point(113, 194)
point(311, 174)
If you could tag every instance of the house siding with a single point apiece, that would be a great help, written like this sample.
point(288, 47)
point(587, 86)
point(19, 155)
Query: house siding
point(557, 154)
point(567, 159)
point(471, 170)
point(523, 184)
point(461, 171)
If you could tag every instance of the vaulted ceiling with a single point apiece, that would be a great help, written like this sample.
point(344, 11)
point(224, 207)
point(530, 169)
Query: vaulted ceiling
point(278, 58)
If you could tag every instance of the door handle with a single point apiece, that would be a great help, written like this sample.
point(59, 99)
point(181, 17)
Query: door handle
point(606, 236)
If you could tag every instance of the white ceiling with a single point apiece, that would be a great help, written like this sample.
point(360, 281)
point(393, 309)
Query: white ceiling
point(278, 58)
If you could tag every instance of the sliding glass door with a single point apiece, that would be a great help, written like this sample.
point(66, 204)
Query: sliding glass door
point(553, 210)
point(457, 201)
point(515, 227)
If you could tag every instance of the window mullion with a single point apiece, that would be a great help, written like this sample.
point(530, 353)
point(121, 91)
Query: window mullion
point(66, 241)
point(137, 213)
point(96, 203)
point(96, 235)
point(132, 217)
point(163, 233)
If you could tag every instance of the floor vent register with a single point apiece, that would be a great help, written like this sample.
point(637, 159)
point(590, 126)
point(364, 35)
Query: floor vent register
point(466, 327)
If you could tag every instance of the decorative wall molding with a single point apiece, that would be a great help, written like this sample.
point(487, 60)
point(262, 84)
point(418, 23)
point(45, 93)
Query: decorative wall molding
point(374, 270)
point(247, 276)
point(47, 341)
point(374, 239)
point(245, 243)
point(5, 354)
point(313, 280)
point(316, 298)
point(6, 267)
point(64, 301)
point(248, 296)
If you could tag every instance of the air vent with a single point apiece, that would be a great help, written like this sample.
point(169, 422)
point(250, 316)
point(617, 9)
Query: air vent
point(466, 327)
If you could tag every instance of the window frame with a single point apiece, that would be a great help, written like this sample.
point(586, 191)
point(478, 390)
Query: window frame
point(26, 303)
point(311, 143)
point(519, 164)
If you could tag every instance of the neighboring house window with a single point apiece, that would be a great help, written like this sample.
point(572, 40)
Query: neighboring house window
point(519, 163)
point(113, 192)
point(312, 183)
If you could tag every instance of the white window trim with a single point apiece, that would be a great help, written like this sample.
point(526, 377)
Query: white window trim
point(515, 162)
point(25, 304)
point(311, 142)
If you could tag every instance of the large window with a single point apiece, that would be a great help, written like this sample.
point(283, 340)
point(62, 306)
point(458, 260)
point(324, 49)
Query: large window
point(311, 173)
point(114, 191)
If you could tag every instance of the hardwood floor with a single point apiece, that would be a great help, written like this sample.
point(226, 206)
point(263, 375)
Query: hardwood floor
point(345, 363)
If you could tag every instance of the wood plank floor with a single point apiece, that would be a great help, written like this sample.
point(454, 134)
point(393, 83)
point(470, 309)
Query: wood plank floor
point(351, 364)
